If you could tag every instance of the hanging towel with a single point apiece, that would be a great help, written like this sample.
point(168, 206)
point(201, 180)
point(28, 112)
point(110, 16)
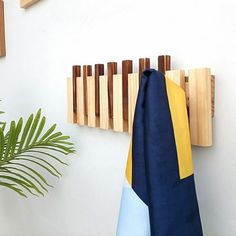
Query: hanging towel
point(159, 167)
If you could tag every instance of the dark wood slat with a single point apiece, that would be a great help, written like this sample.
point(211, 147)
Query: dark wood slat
point(164, 63)
point(76, 72)
point(2, 31)
point(87, 71)
point(127, 67)
point(99, 70)
point(144, 63)
point(111, 70)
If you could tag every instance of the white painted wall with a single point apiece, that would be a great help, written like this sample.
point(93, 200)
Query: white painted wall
point(42, 45)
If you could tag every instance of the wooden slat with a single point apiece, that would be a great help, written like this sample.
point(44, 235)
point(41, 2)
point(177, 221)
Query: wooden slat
point(164, 63)
point(117, 103)
point(212, 95)
point(91, 101)
point(199, 81)
point(87, 71)
point(133, 86)
point(178, 76)
point(70, 112)
point(99, 70)
point(2, 31)
point(27, 3)
point(144, 63)
point(111, 70)
point(80, 100)
point(104, 113)
point(76, 72)
point(127, 67)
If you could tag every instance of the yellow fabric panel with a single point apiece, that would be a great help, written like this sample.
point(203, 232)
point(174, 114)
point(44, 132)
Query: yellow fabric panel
point(129, 164)
point(179, 116)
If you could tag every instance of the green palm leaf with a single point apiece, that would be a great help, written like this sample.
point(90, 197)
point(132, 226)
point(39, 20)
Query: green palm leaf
point(28, 151)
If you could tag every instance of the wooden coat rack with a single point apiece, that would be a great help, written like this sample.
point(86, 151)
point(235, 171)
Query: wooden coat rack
point(108, 101)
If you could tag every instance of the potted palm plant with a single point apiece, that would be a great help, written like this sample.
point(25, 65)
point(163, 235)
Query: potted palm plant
point(28, 151)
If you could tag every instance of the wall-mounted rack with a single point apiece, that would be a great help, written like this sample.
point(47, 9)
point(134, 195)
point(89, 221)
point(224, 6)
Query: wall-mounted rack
point(108, 101)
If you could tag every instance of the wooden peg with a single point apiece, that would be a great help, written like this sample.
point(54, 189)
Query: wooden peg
point(127, 68)
point(111, 70)
point(70, 112)
point(164, 63)
point(144, 63)
point(99, 70)
point(200, 118)
point(91, 101)
point(104, 112)
point(76, 72)
point(2, 31)
point(118, 104)
point(87, 71)
point(27, 3)
point(133, 87)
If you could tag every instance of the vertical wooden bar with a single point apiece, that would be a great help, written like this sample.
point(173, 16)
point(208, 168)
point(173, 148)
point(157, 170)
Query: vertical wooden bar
point(80, 100)
point(99, 70)
point(91, 101)
point(133, 87)
point(70, 112)
point(87, 71)
point(104, 112)
point(2, 31)
point(127, 67)
point(111, 70)
point(76, 72)
point(117, 104)
point(178, 76)
point(200, 106)
point(144, 63)
point(212, 95)
point(164, 63)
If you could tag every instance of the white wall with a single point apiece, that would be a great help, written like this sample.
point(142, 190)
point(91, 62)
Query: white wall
point(42, 45)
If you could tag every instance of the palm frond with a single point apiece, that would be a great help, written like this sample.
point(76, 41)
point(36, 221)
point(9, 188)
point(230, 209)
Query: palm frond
point(28, 151)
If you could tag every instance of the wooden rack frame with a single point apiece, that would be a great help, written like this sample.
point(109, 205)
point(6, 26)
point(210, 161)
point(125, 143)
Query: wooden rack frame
point(108, 101)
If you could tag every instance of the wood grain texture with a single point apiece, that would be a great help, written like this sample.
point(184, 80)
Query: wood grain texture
point(178, 76)
point(117, 103)
point(99, 70)
point(133, 87)
point(164, 63)
point(80, 100)
point(212, 95)
point(76, 72)
point(91, 101)
point(144, 63)
point(111, 70)
point(200, 119)
point(87, 71)
point(70, 112)
point(2, 31)
point(27, 3)
point(104, 111)
point(127, 67)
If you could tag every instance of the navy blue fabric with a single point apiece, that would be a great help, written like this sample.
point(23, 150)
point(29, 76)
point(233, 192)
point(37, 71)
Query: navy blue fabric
point(172, 202)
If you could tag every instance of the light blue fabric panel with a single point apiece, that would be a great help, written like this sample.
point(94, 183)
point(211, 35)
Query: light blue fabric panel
point(134, 215)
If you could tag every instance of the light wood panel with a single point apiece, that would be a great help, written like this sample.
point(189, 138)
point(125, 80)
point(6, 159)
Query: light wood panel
point(133, 87)
point(27, 3)
point(178, 76)
point(80, 100)
point(91, 101)
point(117, 103)
point(2, 31)
point(199, 82)
point(76, 72)
point(104, 112)
point(70, 112)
